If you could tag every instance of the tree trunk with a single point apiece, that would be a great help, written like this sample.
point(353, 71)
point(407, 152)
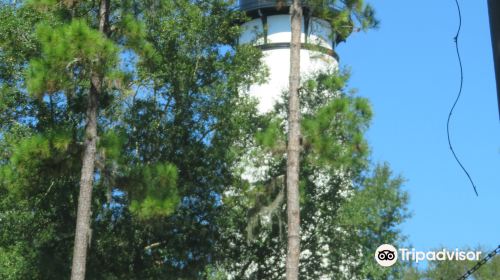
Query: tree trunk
point(82, 232)
point(293, 149)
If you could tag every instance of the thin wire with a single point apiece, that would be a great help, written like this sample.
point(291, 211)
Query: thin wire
point(458, 97)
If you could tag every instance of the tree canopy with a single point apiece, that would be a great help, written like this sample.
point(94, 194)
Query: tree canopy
point(176, 134)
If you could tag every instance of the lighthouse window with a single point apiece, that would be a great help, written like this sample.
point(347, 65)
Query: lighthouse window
point(253, 32)
point(320, 33)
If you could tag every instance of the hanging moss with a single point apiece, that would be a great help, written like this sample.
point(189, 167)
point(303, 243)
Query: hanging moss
point(266, 207)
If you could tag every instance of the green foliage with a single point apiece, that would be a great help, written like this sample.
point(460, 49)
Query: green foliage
point(38, 173)
point(41, 140)
point(29, 156)
point(453, 269)
point(190, 110)
point(43, 3)
point(335, 132)
point(167, 152)
point(490, 271)
point(272, 136)
point(15, 263)
point(366, 206)
point(379, 205)
point(347, 207)
point(112, 142)
point(212, 273)
point(346, 16)
point(411, 273)
point(133, 33)
point(154, 194)
point(16, 256)
point(17, 41)
point(69, 53)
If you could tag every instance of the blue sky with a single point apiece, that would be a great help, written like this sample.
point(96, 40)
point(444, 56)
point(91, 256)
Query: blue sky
point(408, 69)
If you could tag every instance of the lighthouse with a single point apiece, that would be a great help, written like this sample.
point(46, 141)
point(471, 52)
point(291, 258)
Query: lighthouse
point(270, 30)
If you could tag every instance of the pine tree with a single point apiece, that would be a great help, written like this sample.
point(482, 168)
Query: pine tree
point(90, 56)
point(83, 231)
point(293, 147)
point(172, 125)
point(365, 16)
point(78, 59)
point(348, 205)
point(169, 110)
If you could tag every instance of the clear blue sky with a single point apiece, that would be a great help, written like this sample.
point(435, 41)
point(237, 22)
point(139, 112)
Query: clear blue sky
point(408, 69)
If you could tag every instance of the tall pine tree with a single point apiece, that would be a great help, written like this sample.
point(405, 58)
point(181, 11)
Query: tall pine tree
point(364, 14)
point(169, 109)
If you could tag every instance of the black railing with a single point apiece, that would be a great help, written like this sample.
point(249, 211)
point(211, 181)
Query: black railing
point(250, 5)
point(260, 8)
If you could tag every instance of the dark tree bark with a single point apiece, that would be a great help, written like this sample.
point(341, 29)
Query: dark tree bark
point(84, 213)
point(293, 148)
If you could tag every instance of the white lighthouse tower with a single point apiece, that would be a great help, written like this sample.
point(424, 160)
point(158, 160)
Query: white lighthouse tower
point(269, 28)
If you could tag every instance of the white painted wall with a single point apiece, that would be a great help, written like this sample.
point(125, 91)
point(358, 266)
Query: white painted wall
point(278, 60)
point(278, 63)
